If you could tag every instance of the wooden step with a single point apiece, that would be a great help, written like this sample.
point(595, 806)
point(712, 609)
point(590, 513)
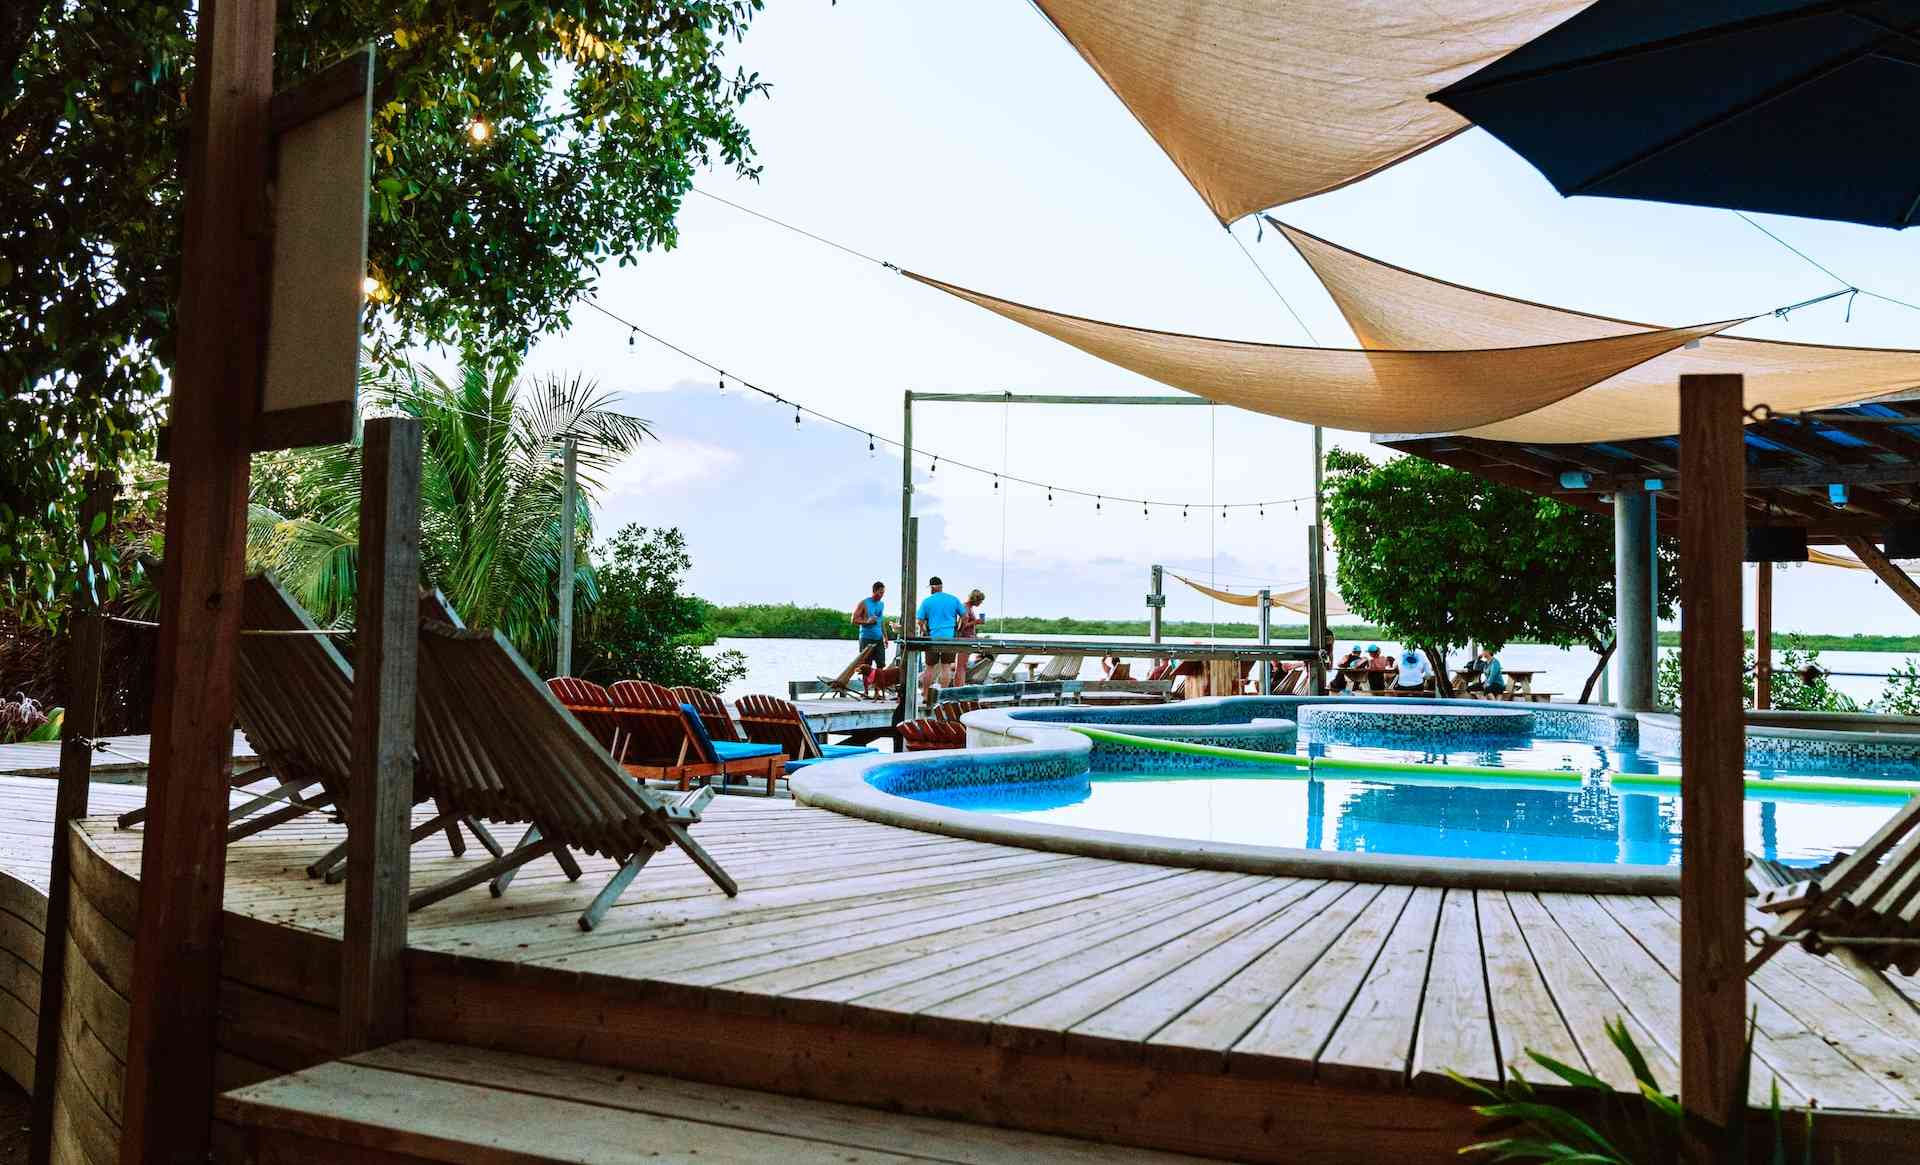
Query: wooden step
point(420, 1101)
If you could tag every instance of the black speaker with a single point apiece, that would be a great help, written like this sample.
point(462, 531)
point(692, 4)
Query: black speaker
point(1776, 544)
point(1902, 540)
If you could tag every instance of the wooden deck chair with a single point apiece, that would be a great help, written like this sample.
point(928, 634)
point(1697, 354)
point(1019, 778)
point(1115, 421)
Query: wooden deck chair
point(1290, 681)
point(510, 752)
point(930, 734)
point(713, 712)
point(592, 706)
point(771, 720)
point(293, 696)
point(1864, 910)
point(1010, 670)
point(664, 745)
point(1061, 667)
point(954, 709)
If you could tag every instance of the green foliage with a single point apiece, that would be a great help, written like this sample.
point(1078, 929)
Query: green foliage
point(1792, 691)
point(598, 115)
point(1901, 696)
point(780, 621)
point(645, 625)
point(24, 720)
point(1443, 558)
point(490, 492)
point(1588, 1122)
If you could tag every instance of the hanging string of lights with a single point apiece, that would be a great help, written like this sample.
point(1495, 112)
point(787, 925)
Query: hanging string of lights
point(934, 460)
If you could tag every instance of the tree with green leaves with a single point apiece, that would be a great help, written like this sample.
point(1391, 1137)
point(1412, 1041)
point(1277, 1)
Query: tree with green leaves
point(517, 147)
point(1441, 558)
point(646, 625)
point(491, 482)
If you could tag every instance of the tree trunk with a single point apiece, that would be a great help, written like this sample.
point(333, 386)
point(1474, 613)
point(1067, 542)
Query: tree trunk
point(1593, 677)
point(1442, 682)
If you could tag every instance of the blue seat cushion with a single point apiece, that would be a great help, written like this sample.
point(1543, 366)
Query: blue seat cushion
point(740, 750)
point(835, 751)
point(719, 752)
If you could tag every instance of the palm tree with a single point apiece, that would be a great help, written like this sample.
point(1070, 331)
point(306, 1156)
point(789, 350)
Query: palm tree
point(490, 495)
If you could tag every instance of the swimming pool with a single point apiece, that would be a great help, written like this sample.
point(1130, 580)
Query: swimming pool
point(1586, 818)
point(1568, 797)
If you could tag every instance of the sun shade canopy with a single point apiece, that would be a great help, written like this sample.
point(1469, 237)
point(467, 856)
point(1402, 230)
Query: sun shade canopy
point(1296, 599)
point(1260, 102)
point(1391, 308)
point(1353, 389)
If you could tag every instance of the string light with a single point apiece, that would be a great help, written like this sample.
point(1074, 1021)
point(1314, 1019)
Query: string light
point(1096, 501)
point(869, 446)
point(1050, 497)
point(996, 481)
point(723, 384)
point(633, 340)
point(1183, 513)
point(936, 464)
point(796, 416)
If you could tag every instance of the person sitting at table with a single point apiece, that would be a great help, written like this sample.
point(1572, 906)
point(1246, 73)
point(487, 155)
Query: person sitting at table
point(1351, 661)
point(1413, 672)
point(1486, 673)
point(1116, 668)
point(1378, 667)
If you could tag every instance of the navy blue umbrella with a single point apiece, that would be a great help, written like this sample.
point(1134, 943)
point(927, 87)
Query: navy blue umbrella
point(1782, 106)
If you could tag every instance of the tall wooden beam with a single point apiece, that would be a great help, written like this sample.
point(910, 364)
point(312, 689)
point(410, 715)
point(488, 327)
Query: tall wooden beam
point(220, 357)
point(1763, 635)
point(373, 986)
point(1897, 580)
point(86, 635)
point(1712, 746)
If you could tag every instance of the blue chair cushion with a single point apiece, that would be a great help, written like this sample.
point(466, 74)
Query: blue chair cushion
point(719, 752)
point(836, 751)
point(741, 750)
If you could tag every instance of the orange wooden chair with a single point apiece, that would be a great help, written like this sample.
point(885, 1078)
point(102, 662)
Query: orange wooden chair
point(954, 709)
point(713, 712)
point(930, 734)
point(771, 720)
point(665, 743)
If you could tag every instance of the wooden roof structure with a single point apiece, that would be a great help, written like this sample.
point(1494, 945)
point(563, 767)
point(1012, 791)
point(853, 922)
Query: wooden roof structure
point(1792, 461)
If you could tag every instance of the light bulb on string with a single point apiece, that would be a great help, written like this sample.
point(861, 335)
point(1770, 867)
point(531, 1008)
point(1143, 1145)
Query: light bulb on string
point(796, 416)
point(723, 384)
point(936, 464)
point(869, 446)
point(1223, 513)
point(633, 340)
point(1183, 513)
point(1263, 509)
point(1050, 496)
point(1096, 502)
point(996, 481)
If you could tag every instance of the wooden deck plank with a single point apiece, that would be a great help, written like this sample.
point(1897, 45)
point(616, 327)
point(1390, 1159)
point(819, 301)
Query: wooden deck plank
point(1288, 1039)
point(1200, 1037)
point(1525, 1017)
point(1456, 1019)
point(1373, 1044)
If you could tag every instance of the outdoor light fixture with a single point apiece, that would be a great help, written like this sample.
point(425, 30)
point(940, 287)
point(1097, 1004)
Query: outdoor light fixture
point(1776, 544)
point(1837, 493)
point(1575, 479)
point(370, 286)
point(1653, 485)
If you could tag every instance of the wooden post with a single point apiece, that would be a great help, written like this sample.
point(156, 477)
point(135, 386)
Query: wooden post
point(373, 1001)
point(1712, 746)
point(220, 348)
point(569, 531)
point(86, 635)
point(1763, 635)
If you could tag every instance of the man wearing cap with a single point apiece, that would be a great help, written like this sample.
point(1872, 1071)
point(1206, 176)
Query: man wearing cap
point(939, 618)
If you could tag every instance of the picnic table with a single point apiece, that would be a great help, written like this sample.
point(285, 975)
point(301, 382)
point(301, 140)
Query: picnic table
point(1519, 682)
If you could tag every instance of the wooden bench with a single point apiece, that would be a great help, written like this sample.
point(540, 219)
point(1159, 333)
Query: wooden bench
point(418, 1101)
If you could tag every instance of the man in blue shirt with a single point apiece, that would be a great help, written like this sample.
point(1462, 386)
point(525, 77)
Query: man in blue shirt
point(938, 616)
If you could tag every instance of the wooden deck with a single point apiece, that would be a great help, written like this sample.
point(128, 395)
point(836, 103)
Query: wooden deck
point(115, 757)
point(1194, 1011)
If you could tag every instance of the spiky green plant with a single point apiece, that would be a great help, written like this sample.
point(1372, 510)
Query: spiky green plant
point(490, 493)
point(1597, 1124)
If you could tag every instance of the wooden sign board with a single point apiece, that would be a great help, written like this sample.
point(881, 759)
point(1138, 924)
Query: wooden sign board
point(319, 200)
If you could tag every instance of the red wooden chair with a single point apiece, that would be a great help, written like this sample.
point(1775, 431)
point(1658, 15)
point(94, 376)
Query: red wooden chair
point(593, 707)
point(930, 734)
point(662, 743)
point(954, 709)
point(771, 720)
point(713, 712)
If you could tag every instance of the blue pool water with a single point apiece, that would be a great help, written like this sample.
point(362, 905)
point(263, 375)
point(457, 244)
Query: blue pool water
point(1586, 821)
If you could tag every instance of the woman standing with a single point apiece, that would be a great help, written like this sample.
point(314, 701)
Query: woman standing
point(969, 624)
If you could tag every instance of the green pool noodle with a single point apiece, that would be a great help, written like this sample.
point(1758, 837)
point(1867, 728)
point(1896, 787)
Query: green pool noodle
point(1247, 755)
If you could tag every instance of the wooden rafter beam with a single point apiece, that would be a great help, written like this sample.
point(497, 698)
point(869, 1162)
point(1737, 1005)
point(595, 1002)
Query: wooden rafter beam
point(1897, 580)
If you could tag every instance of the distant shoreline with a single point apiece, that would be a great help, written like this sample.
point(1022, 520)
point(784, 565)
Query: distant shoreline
point(785, 621)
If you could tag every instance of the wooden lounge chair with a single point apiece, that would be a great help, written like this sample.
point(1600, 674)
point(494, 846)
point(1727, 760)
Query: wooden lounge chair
point(713, 712)
point(508, 751)
point(954, 709)
point(663, 745)
point(1061, 667)
point(771, 720)
point(293, 696)
point(1864, 910)
point(1009, 671)
point(593, 707)
point(930, 734)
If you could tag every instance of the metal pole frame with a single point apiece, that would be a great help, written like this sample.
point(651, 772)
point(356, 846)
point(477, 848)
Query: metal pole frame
point(569, 535)
point(1266, 640)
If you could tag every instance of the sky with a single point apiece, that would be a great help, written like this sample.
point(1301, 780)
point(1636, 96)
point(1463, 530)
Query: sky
point(971, 143)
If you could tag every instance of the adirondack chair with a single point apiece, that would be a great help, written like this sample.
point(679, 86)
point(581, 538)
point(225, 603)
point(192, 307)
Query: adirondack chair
point(508, 751)
point(1008, 671)
point(954, 709)
point(979, 669)
point(1863, 910)
point(771, 720)
point(293, 696)
point(663, 745)
point(1061, 667)
point(931, 733)
point(713, 712)
point(1291, 682)
point(593, 707)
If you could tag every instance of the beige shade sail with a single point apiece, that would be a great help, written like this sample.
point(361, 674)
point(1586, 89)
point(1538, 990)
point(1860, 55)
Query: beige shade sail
point(1351, 388)
point(1260, 102)
point(1295, 599)
point(1389, 307)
